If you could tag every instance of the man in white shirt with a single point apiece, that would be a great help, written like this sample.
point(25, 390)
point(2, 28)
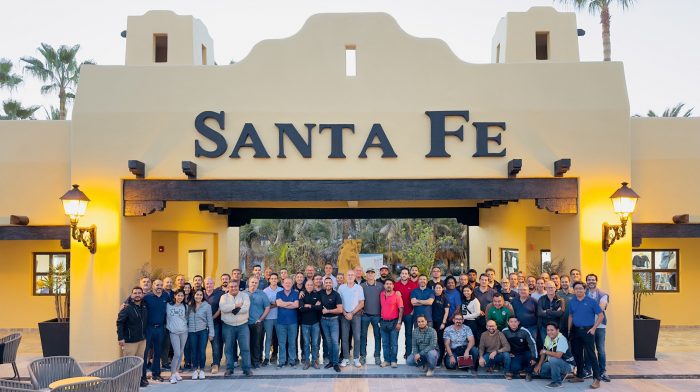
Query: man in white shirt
point(234, 307)
point(353, 298)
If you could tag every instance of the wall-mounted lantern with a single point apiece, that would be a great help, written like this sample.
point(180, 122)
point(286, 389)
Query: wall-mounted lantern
point(624, 201)
point(74, 205)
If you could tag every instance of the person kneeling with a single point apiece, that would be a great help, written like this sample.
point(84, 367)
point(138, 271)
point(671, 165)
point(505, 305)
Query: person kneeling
point(556, 361)
point(523, 349)
point(424, 347)
point(494, 348)
point(459, 344)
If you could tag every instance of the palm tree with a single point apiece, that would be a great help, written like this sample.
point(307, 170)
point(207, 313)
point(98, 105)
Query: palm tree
point(15, 111)
point(673, 111)
point(601, 7)
point(59, 69)
point(8, 79)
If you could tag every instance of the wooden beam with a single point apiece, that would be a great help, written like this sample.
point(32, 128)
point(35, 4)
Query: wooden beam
point(343, 190)
point(36, 233)
point(641, 231)
point(19, 220)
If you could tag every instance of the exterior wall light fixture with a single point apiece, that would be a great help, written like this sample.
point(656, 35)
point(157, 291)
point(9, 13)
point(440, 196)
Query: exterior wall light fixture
point(74, 205)
point(624, 201)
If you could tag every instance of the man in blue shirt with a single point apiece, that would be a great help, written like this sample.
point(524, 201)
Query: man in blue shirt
point(422, 299)
point(585, 315)
point(259, 308)
point(287, 306)
point(155, 331)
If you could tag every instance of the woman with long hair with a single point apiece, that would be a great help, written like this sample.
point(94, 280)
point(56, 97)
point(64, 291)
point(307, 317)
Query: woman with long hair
point(440, 310)
point(187, 289)
point(176, 323)
point(471, 310)
point(201, 329)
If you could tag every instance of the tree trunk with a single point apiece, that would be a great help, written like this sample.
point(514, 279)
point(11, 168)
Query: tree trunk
point(605, 22)
point(62, 104)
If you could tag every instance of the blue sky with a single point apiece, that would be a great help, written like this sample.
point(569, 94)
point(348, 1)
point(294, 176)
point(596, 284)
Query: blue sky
point(656, 40)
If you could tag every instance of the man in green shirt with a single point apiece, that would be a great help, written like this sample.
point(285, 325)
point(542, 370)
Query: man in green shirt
point(499, 311)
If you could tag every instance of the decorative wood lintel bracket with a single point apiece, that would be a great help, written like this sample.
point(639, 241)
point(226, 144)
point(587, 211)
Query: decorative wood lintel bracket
point(558, 206)
point(142, 208)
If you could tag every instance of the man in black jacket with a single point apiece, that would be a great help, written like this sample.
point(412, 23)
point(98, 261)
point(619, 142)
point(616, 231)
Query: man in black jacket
point(523, 350)
point(131, 326)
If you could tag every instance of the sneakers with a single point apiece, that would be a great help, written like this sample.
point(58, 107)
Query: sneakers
point(587, 374)
point(604, 377)
point(357, 363)
point(293, 365)
point(201, 375)
point(344, 363)
point(214, 369)
point(328, 365)
point(158, 378)
point(326, 361)
point(280, 365)
point(385, 364)
point(178, 377)
point(596, 384)
point(394, 365)
point(363, 360)
point(173, 380)
point(429, 373)
point(195, 375)
point(264, 363)
point(554, 385)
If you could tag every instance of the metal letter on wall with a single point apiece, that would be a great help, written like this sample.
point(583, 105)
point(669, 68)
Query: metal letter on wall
point(213, 136)
point(377, 132)
point(438, 131)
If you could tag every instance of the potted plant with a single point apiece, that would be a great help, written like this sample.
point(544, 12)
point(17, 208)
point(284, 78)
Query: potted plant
point(55, 333)
point(646, 329)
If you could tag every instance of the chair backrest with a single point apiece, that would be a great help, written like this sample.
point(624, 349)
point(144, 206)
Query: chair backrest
point(15, 386)
point(44, 371)
point(10, 345)
point(124, 373)
point(85, 386)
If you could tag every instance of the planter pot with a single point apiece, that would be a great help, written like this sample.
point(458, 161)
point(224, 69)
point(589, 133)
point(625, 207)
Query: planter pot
point(54, 337)
point(646, 335)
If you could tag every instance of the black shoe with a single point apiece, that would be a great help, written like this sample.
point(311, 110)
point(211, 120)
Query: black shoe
point(328, 366)
point(228, 373)
point(158, 378)
point(604, 377)
point(248, 373)
point(336, 368)
point(587, 374)
point(265, 362)
point(144, 383)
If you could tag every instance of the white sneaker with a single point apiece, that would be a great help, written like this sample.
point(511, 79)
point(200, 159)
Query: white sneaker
point(344, 363)
point(195, 374)
point(357, 363)
point(201, 375)
point(173, 380)
point(178, 377)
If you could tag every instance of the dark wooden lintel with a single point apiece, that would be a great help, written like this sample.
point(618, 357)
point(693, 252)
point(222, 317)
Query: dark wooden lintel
point(558, 205)
point(142, 208)
point(37, 233)
point(663, 230)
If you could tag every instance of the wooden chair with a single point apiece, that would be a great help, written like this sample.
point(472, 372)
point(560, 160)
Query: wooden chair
point(8, 351)
point(44, 371)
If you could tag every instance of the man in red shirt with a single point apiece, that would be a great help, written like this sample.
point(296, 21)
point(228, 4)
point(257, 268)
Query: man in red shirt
point(391, 315)
point(404, 286)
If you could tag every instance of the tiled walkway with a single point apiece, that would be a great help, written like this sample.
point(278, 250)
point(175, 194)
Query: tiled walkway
point(678, 354)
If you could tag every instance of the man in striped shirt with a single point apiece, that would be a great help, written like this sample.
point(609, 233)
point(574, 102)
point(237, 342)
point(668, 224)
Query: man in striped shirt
point(425, 347)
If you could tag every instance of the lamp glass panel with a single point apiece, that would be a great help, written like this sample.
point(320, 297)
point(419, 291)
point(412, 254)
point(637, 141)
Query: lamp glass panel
point(624, 205)
point(75, 207)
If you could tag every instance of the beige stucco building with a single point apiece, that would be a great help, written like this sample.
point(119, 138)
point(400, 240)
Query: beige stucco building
point(447, 132)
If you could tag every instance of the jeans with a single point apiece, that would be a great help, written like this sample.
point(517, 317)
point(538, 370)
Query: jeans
point(364, 327)
point(460, 351)
point(345, 326)
point(520, 362)
point(330, 330)
point(583, 348)
point(600, 349)
point(198, 348)
point(390, 340)
point(500, 358)
point(256, 342)
point(178, 342)
point(430, 359)
point(408, 332)
point(310, 335)
point(286, 334)
point(154, 339)
point(241, 335)
point(555, 369)
point(534, 332)
point(269, 326)
point(217, 344)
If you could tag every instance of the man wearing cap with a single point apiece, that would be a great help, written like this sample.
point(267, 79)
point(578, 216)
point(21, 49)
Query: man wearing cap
point(372, 314)
point(384, 274)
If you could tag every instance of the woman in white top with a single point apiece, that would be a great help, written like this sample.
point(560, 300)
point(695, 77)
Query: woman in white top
point(470, 309)
point(176, 322)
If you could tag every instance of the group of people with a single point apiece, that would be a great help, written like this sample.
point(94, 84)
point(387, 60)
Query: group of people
point(527, 326)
